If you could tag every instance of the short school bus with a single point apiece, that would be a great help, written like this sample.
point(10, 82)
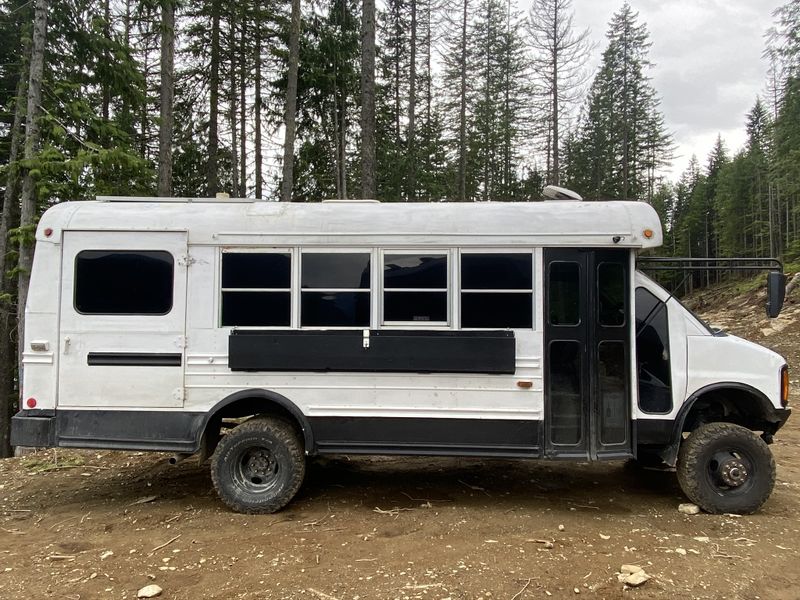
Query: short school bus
point(260, 333)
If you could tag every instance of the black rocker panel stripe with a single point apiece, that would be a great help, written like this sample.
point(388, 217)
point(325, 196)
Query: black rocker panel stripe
point(415, 435)
point(491, 352)
point(133, 359)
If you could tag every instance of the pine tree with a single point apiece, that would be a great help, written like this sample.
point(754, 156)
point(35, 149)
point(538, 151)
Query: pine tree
point(623, 139)
point(559, 60)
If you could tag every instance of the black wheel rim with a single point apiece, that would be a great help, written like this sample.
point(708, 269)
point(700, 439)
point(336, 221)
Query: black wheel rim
point(256, 470)
point(730, 471)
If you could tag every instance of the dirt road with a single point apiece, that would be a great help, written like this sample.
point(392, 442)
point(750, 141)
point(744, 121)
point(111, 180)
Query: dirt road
point(103, 525)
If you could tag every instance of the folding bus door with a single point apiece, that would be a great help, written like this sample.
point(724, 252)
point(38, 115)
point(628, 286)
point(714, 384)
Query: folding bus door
point(587, 353)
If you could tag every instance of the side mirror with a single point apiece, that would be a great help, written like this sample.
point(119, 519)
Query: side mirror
point(776, 292)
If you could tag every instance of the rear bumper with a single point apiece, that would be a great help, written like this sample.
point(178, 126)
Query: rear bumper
point(33, 428)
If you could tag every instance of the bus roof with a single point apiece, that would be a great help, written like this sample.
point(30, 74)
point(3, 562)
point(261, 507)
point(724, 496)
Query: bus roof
point(243, 222)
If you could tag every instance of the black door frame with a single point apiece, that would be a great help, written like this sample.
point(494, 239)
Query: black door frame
point(588, 333)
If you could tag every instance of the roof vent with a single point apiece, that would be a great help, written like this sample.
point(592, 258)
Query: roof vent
point(553, 192)
point(350, 200)
point(223, 196)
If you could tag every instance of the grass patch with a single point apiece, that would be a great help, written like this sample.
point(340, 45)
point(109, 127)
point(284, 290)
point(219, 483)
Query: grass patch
point(51, 461)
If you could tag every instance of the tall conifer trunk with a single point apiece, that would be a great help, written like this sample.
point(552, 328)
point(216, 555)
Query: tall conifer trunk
point(28, 200)
point(290, 115)
point(412, 107)
point(462, 113)
point(167, 95)
point(8, 220)
point(368, 176)
point(213, 114)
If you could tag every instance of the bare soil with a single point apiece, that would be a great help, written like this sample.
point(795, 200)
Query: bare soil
point(105, 524)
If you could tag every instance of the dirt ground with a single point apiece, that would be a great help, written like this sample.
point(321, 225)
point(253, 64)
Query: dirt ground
point(104, 524)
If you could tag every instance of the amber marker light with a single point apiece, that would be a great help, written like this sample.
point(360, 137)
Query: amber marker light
point(785, 386)
point(648, 233)
point(525, 385)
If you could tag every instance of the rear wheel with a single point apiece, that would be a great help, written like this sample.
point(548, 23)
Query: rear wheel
point(259, 466)
point(724, 467)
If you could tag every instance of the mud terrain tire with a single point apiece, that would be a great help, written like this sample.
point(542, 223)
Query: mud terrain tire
point(726, 468)
point(258, 466)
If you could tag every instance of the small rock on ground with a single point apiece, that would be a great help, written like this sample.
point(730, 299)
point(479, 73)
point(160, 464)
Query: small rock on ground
point(689, 509)
point(149, 591)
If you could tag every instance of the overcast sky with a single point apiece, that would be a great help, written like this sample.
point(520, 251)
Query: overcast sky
point(708, 67)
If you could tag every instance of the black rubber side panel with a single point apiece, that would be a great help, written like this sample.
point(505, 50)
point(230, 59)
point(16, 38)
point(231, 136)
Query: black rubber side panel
point(129, 430)
point(389, 435)
point(492, 352)
point(654, 432)
point(133, 359)
point(34, 432)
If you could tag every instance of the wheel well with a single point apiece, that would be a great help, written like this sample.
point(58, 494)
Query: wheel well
point(253, 403)
point(724, 403)
point(741, 406)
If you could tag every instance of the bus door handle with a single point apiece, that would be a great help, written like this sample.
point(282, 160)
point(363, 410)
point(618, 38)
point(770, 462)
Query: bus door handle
point(66, 344)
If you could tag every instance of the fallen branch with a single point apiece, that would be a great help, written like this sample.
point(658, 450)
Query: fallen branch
point(522, 591)
point(164, 545)
point(422, 499)
point(66, 557)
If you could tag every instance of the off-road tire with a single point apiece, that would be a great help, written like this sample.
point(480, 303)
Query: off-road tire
point(267, 442)
point(696, 471)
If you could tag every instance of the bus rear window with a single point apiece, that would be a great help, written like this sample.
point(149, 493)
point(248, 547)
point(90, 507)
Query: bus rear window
point(123, 282)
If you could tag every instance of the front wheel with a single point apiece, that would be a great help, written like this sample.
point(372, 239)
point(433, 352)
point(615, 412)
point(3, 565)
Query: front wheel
point(726, 468)
point(259, 466)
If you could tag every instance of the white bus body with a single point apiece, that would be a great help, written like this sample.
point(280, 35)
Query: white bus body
point(487, 329)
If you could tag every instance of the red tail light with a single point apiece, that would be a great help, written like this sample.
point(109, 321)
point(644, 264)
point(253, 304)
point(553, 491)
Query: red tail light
point(30, 402)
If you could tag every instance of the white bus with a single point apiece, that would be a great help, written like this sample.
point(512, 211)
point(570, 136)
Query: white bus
point(258, 333)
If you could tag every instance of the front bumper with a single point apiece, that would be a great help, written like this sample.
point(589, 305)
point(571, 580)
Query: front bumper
point(34, 429)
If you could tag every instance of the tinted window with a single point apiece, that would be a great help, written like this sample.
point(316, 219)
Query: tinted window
point(336, 271)
point(249, 273)
point(415, 271)
point(335, 309)
point(485, 310)
point(496, 271)
point(506, 306)
point(566, 403)
point(256, 270)
point(332, 272)
point(652, 353)
point(266, 309)
point(123, 282)
point(415, 306)
point(611, 294)
point(613, 393)
point(415, 277)
point(564, 293)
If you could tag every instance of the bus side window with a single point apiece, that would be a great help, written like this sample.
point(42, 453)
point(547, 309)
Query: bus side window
point(652, 353)
point(497, 291)
point(335, 289)
point(256, 289)
point(415, 288)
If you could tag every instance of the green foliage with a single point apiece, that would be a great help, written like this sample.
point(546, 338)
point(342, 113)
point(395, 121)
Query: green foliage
point(621, 141)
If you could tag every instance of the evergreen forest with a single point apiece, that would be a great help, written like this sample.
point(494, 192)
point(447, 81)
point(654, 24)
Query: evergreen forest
point(400, 100)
